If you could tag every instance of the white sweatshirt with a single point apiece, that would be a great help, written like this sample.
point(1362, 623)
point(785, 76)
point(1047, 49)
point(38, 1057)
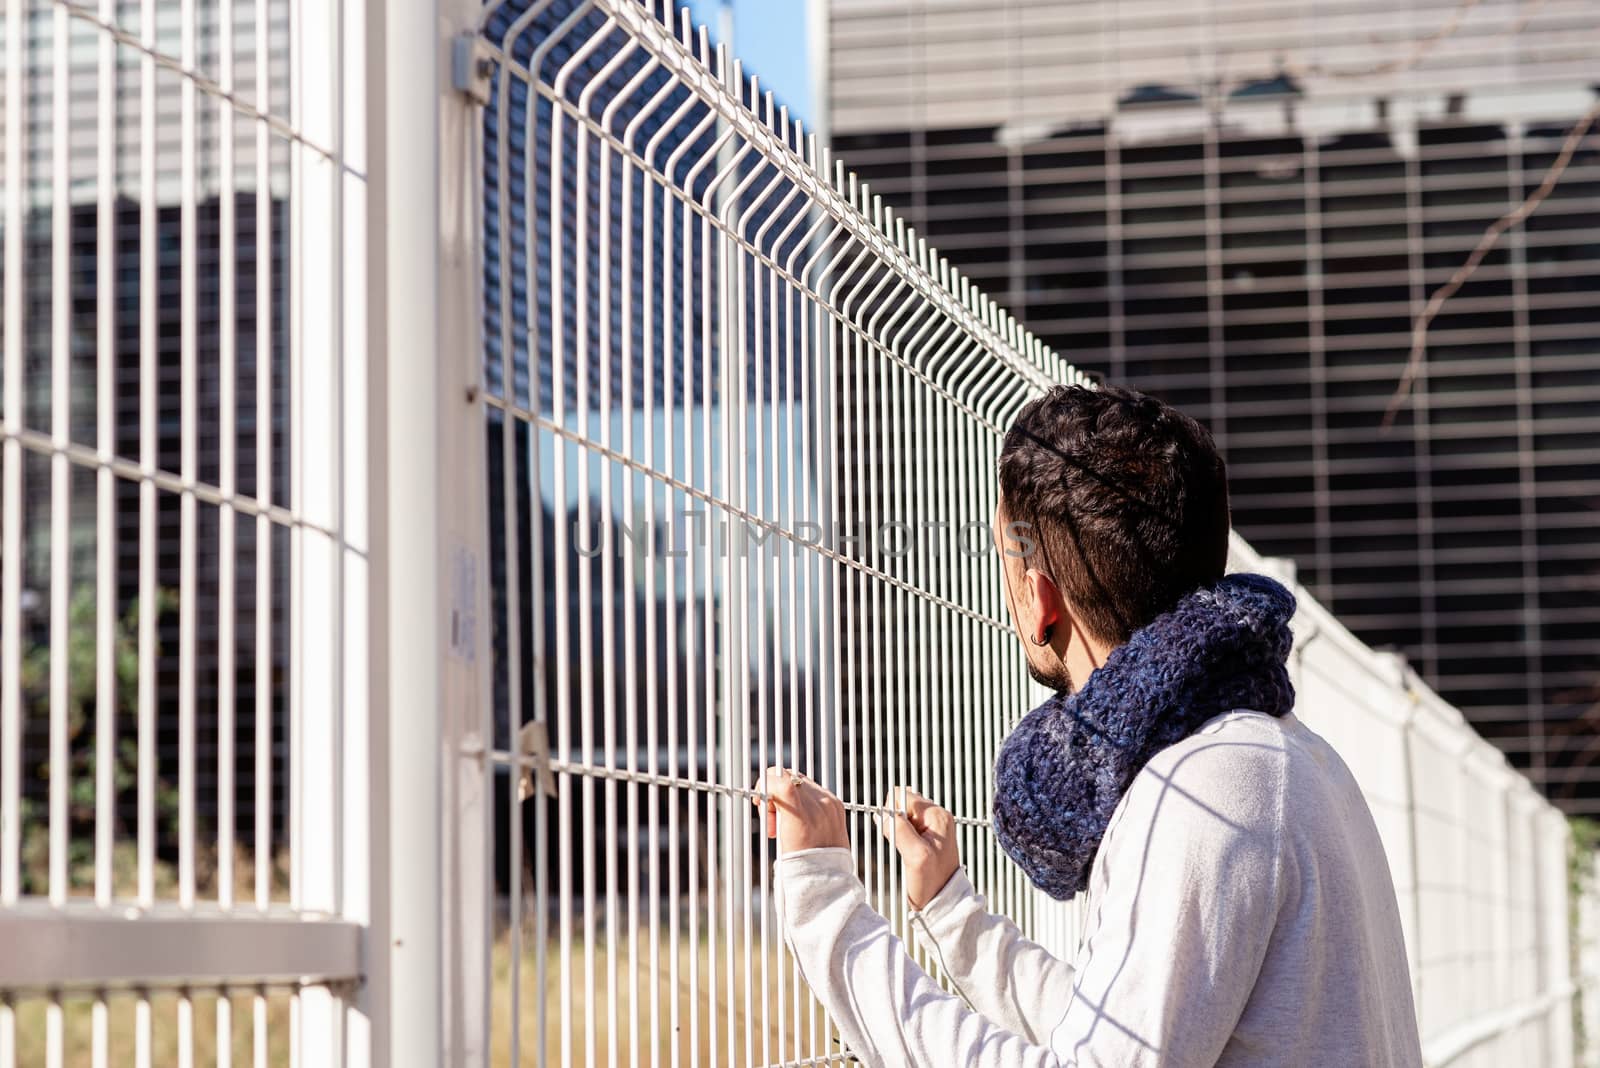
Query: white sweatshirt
point(1240, 912)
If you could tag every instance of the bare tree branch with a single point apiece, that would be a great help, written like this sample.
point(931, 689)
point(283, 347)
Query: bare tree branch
point(1419, 332)
point(1419, 47)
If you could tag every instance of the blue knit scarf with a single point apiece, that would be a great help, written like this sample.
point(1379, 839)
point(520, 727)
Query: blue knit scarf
point(1063, 769)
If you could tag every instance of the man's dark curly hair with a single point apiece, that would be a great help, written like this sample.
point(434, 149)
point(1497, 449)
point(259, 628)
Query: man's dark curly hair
point(1127, 500)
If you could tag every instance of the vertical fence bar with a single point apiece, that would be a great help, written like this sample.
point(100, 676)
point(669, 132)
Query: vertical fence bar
point(511, 540)
point(149, 461)
point(264, 692)
point(106, 652)
point(410, 438)
point(60, 470)
point(59, 829)
point(227, 482)
point(227, 479)
point(655, 666)
point(318, 361)
point(11, 520)
point(361, 753)
point(188, 469)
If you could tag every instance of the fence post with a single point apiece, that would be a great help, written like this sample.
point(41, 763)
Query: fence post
point(428, 576)
point(327, 364)
point(1557, 933)
point(466, 716)
point(1411, 896)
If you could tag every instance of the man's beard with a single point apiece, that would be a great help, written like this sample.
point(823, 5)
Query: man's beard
point(1059, 681)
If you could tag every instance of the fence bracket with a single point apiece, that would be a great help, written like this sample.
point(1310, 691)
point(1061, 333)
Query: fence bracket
point(534, 745)
point(471, 64)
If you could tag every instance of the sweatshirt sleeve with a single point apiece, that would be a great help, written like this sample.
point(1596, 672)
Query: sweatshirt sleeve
point(1012, 981)
point(889, 1012)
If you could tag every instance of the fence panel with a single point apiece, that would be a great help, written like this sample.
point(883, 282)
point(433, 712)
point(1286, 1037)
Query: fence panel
point(739, 423)
point(181, 528)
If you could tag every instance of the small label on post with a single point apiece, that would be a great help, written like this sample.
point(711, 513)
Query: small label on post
point(464, 605)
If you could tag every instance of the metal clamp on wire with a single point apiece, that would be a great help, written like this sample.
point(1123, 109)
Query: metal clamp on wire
point(471, 66)
point(533, 751)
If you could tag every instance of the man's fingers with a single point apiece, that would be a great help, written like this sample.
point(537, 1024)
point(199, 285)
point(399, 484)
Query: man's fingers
point(900, 832)
point(939, 820)
point(903, 799)
point(929, 817)
point(924, 814)
point(892, 824)
point(782, 787)
point(792, 792)
point(779, 786)
point(905, 818)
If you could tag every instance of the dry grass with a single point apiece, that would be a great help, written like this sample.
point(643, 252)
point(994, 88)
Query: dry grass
point(767, 1026)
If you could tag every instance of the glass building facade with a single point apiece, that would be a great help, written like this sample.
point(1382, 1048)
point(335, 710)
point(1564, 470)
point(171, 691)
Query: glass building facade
point(1242, 208)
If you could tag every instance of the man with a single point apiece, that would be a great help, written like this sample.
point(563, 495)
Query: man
point(1239, 908)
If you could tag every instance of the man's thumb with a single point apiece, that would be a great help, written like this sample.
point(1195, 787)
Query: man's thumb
point(899, 830)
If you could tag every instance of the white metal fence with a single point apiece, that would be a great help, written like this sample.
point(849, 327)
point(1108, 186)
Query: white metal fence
point(1479, 858)
point(448, 451)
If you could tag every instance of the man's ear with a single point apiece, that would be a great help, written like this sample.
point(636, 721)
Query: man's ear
point(1050, 607)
